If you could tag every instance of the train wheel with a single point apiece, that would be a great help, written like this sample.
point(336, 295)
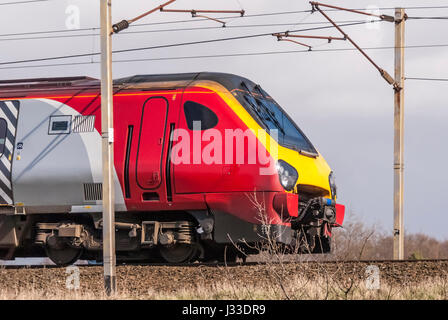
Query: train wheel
point(179, 253)
point(61, 253)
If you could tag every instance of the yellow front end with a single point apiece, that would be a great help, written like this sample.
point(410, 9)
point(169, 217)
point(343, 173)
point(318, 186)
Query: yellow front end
point(313, 172)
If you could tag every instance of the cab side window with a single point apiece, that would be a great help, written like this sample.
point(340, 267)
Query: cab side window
point(3, 131)
point(195, 112)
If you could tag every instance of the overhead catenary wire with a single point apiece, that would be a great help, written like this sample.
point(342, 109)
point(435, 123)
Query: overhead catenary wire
point(393, 8)
point(202, 20)
point(427, 18)
point(426, 79)
point(173, 45)
point(154, 23)
point(169, 30)
point(224, 55)
point(22, 2)
point(421, 7)
point(196, 42)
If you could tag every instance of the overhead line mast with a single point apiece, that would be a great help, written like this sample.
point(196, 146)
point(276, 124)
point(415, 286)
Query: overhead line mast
point(107, 138)
point(400, 18)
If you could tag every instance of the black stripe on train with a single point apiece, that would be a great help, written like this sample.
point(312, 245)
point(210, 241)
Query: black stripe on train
point(9, 111)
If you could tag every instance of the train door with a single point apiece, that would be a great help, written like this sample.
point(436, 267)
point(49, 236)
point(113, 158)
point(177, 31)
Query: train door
point(8, 124)
point(151, 142)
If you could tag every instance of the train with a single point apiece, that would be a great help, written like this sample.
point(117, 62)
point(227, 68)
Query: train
point(207, 167)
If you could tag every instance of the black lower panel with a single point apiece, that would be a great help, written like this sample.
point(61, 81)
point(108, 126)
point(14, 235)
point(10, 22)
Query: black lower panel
point(229, 228)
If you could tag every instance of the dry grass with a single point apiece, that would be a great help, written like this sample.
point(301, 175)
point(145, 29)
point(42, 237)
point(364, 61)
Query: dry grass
point(300, 287)
point(283, 281)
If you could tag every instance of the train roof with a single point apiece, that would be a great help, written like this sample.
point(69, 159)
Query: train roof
point(23, 87)
point(228, 80)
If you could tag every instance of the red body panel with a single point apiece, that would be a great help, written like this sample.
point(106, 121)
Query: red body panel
point(287, 204)
point(340, 214)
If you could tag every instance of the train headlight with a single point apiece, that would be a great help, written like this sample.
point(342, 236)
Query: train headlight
point(287, 174)
point(333, 188)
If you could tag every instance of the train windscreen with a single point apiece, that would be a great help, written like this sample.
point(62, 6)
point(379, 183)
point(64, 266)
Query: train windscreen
point(273, 117)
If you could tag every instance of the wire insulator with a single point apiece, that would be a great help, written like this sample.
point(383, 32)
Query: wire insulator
point(120, 26)
point(387, 18)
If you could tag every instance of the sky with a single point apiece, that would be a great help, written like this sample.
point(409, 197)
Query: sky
point(336, 97)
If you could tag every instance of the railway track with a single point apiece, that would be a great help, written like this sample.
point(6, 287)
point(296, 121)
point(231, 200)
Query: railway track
point(137, 281)
point(233, 264)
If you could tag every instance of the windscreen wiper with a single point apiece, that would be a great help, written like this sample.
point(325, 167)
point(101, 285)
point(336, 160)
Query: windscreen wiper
point(257, 107)
point(273, 118)
point(268, 111)
point(257, 86)
point(243, 84)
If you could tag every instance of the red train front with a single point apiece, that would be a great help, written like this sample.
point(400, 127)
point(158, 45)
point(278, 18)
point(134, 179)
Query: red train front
point(204, 162)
